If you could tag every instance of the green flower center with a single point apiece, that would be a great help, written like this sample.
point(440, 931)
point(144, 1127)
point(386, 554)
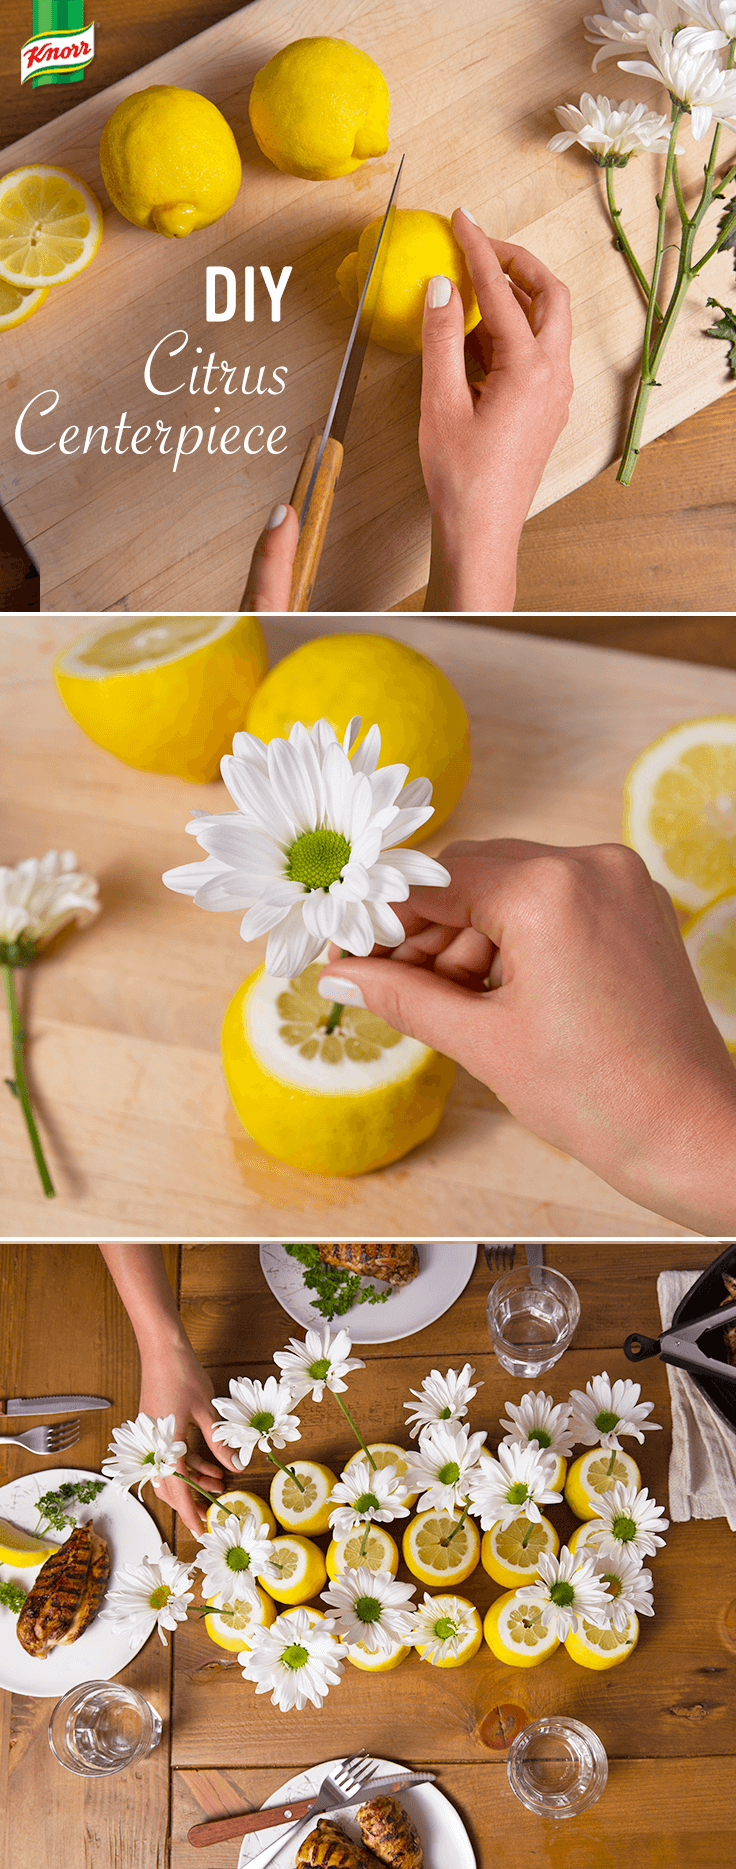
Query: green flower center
point(149, 1460)
point(317, 858)
point(624, 1528)
point(262, 1422)
point(445, 1628)
point(614, 1582)
point(159, 1596)
point(541, 1436)
point(368, 1609)
point(444, 1414)
point(237, 1559)
point(366, 1503)
point(450, 1474)
point(517, 1493)
point(606, 1421)
point(295, 1656)
point(321, 1369)
point(562, 1594)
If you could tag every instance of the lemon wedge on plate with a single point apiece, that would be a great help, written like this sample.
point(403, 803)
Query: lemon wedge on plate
point(21, 1548)
point(381, 1552)
point(589, 1477)
point(307, 1507)
point(511, 1557)
point(710, 939)
point(50, 226)
point(680, 809)
point(18, 303)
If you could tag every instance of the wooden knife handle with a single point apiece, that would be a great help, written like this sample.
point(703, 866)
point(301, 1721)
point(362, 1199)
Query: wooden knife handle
point(221, 1828)
point(312, 536)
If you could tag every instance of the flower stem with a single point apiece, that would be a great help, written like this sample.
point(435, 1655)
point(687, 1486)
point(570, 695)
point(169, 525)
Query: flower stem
point(213, 1497)
point(358, 1436)
point(288, 1470)
point(611, 1463)
point(527, 1535)
point(336, 1009)
point(623, 241)
point(364, 1539)
point(651, 356)
point(18, 1084)
point(453, 1534)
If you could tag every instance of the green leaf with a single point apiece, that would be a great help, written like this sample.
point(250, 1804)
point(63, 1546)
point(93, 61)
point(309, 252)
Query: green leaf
point(725, 329)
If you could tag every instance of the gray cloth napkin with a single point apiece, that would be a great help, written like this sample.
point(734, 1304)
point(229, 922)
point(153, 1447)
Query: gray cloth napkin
point(703, 1458)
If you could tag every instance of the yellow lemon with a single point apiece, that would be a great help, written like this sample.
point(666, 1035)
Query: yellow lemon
point(17, 304)
point(710, 939)
point(21, 1548)
point(585, 1535)
point(421, 245)
point(387, 1454)
point(304, 1508)
point(422, 719)
point(301, 1568)
point(437, 1554)
point(232, 1629)
point(358, 1654)
point(680, 810)
point(169, 160)
point(338, 1103)
point(241, 1504)
point(602, 1648)
point(515, 1633)
point(164, 693)
point(319, 108)
point(589, 1477)
point(511, 1557)
point(50, 226)
point(381, 1552)
point(460, 1613)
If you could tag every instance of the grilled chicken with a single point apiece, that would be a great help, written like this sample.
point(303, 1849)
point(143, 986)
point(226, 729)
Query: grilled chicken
point(329, 1845)
point(390, 1833)
point(396, 1264)
point(67, 1593)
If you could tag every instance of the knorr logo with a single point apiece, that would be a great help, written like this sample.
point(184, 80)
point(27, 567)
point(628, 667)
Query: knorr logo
point(61, 45)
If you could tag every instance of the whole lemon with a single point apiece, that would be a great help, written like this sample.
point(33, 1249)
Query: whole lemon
point(421, 245)
point(319, 108)
point(169, 160)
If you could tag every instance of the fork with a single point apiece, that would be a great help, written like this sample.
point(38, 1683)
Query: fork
point(500, 1258)
point(345, 1779)
point(52, 1440)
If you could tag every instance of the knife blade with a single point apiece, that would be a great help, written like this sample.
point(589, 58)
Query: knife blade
point(52, 1404)
point(534, 1258)
point(272, 1814)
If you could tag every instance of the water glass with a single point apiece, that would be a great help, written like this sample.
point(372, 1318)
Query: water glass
point(532, 1313)
point(101, 1727)
point(557, 1767)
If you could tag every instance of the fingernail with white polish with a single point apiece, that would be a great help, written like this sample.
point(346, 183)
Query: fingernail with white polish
point(276, 517)
point(469, 216)
point(439, 292)
point(343, 992)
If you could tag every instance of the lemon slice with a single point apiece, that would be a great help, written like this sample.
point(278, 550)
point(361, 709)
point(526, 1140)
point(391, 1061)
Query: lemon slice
point(232, 1631)
point(165, 693)
point(241, 1504)
point(710, 939)
point(308, 1510)
point(301, 1568)
point(680, 809)
point(457, 1609)
point(21, 1548)
point(50, 226)
point(358, 1654)
point(511, 1561)
point(515, 1633)
point(588, 1478)
point(602, 1648)
point(381, 1552)
point(585, 1536)
point(17, 304)
point(433, 1561)
point(387, 1454)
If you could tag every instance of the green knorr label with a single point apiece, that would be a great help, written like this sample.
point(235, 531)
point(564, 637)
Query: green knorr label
point(61, 44)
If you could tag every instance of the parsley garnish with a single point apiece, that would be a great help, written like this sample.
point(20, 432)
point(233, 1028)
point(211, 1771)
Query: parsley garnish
point(52, 1506)
point(13, 1596)
point(335, 1289)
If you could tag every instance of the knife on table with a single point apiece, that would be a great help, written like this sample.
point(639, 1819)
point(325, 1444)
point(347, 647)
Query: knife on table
point(218, 1830)
point(319, 472)
point(534, 1258)
point(52, 1404)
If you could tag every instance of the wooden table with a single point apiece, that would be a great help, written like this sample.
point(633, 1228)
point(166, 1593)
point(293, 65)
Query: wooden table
point(667, 1721)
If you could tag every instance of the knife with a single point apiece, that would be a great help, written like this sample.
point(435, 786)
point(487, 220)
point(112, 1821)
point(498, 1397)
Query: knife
point(52, 1404)
point(272, 1814)
point(534, 1258)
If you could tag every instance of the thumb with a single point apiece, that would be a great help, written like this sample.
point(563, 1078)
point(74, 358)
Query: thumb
point(415, 1001)
point(269, 579)
point(443, 348)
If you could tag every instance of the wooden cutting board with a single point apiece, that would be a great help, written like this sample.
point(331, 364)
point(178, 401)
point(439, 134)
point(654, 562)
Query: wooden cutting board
point(473, 89)
point(125, 1018)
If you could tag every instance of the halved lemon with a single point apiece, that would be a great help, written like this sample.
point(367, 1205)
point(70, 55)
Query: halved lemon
point(453, 1609)
point(585, 1536)
point(358, 1654)
point(17, 304)
point(21, 1548)
point(387, 1454)
point(515, 1632)
point(164, 693)
point(241, 1503)
point(232, 1630)
point(301, 1568)
point(306, 1510)
point(433, 1560)
point(710, 939)
point(602, 1648)
point(50, 226)
point(680, 809)
point(510, 1560)
point(589, 1478)
point(381, 1552)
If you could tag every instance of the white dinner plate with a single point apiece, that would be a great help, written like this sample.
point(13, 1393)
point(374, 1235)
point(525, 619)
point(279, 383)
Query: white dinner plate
point(444, 1838)
point(103, 1648)
point(444, 1270)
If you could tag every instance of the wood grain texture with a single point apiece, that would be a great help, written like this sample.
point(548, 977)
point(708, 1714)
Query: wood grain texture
point(125, 1016)
point(465, 103)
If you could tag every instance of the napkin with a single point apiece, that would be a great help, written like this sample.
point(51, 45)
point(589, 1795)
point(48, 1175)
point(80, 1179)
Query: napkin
point(703, 1458)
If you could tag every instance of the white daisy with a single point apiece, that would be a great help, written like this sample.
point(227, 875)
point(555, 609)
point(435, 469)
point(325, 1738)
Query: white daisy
point(37, 898)
point(689, 65)
point(444, 1464)
point(370, 1608)
point(364, 1493)
point(143, 1450)
point(720, 14)
point(442, 1625)
point(256, 1416)
point(603, 1410)
point(541, 1422)
point(154, 1594)
point(319, 1363)
point(513, 1486)
point(629, 1585)
point(296, 1658)
point(233, 1556)
point(624, 24)
point(631, 1519)
point(569, 1589)
point(442, 1398)
point(311, 852)
point(612, 132)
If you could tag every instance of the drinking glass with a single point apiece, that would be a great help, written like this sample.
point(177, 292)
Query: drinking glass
point(532, 1313)
point(101, 1727)
point(557, 1767)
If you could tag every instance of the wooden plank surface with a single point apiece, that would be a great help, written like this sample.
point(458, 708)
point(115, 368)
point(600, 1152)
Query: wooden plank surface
point(124, 533)
point(125, 1017)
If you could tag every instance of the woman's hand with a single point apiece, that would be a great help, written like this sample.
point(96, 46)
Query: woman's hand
point(269, 579)
point(174, 1383)
point(484, 449)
